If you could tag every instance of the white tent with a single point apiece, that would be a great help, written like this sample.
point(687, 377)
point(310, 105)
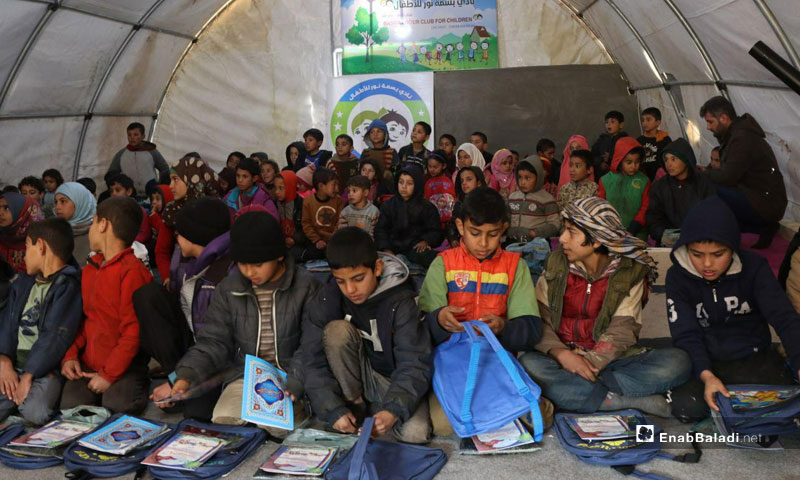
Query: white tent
point(219, 75)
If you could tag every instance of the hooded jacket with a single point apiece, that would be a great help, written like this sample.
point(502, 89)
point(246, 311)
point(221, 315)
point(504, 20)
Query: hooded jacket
point(605, 143)
point(671, 199)
point(653, 152)
point(386, 155)
point(402, 224)
point(233, 324)
point(301, 158)
point(258, 195)
point(60, 316)
point(140, 163)
point(398, 347)
point(726, 319)
point(628, 194)
point(748, 163)
point(536, 210)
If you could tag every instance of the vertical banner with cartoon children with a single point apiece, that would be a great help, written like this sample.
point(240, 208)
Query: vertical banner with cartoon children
point(383, 36)
point(399, 100)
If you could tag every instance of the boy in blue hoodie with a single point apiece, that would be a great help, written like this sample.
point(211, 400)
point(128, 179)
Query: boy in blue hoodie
point(721, 302)
point(39, 323)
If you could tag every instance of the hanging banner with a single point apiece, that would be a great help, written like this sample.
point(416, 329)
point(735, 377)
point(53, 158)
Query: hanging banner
point(418, 35)
point(399, 100)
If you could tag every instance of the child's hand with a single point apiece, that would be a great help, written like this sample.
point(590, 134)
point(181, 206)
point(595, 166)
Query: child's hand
point(346, 423)
point(23, 387)
point(72, 370)
point(384, 421)
point(576, 364)
point(9, 380)
point(712, 386)
point(320, 244)
point(165, 391)
point(97, 384)
point(448, 321)
point(496, 323)
point(422, 246)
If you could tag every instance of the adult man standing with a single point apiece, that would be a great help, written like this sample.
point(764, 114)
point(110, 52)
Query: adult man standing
point(139, 160)
point(749, 179)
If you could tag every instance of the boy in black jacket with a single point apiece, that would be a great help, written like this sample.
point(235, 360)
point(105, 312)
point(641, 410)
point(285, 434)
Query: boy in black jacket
point(39, 323)
point(720, 303)
point(603, 148)
point(364, 348)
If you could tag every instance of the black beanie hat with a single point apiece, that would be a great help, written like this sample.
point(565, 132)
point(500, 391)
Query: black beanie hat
point(203, 220)
point(256, 237)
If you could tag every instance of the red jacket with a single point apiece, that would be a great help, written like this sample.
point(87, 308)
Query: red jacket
point(582, 304)
point(165, 245)
point(109, 337)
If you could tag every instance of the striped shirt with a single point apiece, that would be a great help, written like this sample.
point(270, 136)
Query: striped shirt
point(266, 344)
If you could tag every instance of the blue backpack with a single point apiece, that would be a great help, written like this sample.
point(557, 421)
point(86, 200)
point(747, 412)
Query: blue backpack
point(772, 419)
point(243, 441)
point(84, 463)
point(623, 455)
point(380, 460)
point(470, 396)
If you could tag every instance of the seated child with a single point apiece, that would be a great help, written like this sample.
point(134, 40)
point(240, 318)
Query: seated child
point(268, 171)
point(290, 208)
point(546, 150)
point(17, 213)
point(364, 349)
point(713, 162)
point(672, 197)
point(380, 187)
point(305, 179)
point(575, 143)
point(344, 163)
point(160, 196)
point(408, 224)
point(534, 212)
point(377, 140)
point(320, 214)
point(626, 188)
point(295, 156)
point(502, 179)
point(121, 185)
point(34, 187)
point(77, 205)
point(581, 185)
point(439, 189)
point(103, 362)
point(653, 141)
point(467, 180)
point(313, 139)
point(721, 301)
point(360, 212)
point(604, 148)
point(591, 296)
point(416, 151)
point(39, 323)
point(248, 190)
point(468, 155)
point(447, 144)
point(237, 324)
point(52, 179)
point(233, 159)
point(227, 180)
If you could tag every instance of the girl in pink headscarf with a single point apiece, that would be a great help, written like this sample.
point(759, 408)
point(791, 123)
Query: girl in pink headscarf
point(575, 142)
point(502, 177)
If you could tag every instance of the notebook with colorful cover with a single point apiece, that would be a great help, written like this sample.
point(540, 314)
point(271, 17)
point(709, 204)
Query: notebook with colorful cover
point(122, 435)
point(185, 452)
point(600, 427)
point(509, 436)
point(750, 399)
point(53, 435)
point(263, 400)
point(306, 460)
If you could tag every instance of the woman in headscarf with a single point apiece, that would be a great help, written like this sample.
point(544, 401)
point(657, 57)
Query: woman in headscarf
point(77, 205)
point(575, 142)
point(190, 178)
point(591, 297)
point(17, 213)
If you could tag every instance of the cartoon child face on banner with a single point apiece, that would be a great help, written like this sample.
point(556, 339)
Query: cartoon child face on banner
point(391, 101)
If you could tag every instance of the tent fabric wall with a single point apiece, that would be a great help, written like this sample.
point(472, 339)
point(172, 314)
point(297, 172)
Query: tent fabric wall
point(73, 73)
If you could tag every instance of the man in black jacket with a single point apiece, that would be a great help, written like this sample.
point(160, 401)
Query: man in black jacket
point(364, 348)
point(749, 179)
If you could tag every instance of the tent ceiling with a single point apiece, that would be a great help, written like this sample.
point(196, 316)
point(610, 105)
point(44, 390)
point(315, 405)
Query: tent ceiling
point(64, 63)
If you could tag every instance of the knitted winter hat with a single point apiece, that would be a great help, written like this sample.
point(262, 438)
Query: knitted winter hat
point(203, 220)
point(256, 237)
point(306, 175)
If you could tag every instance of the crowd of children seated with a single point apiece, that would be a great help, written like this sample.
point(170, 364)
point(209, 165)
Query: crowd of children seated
point(198, 273)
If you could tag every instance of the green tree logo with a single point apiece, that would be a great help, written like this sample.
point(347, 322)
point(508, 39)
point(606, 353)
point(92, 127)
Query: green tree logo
point(364, 31)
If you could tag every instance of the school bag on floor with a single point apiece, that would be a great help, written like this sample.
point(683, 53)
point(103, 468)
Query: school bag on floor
point(381, 460)
point(24, 461)
point(481, 386)
point(84, 463)
point(767, 410)
point(623, 455)
point(242, 442)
